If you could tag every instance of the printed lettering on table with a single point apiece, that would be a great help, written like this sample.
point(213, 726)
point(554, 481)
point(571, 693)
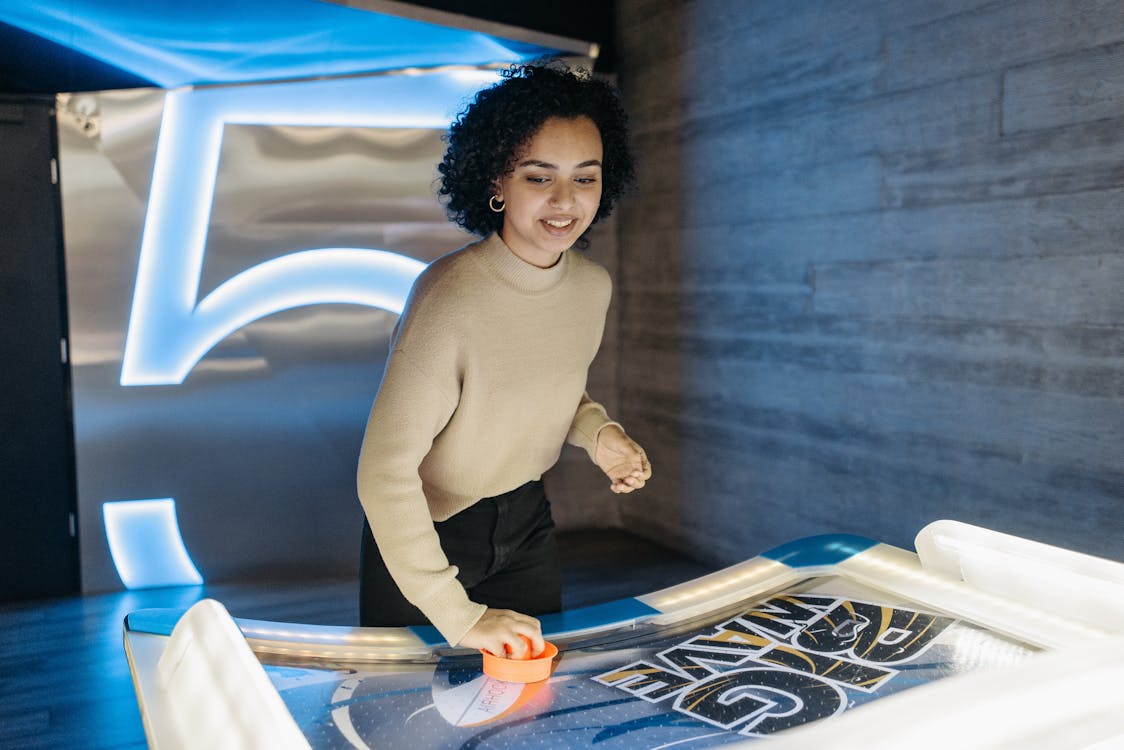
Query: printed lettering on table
point(787, 662)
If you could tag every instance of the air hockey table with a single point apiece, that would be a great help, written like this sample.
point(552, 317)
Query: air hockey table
point(976, 640)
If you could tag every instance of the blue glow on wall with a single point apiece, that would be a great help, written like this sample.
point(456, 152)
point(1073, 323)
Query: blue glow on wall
point(174, 43)
point(146, 545)
point(170, 329)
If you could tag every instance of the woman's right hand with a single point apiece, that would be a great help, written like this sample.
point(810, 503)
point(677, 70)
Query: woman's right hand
point(500, 628)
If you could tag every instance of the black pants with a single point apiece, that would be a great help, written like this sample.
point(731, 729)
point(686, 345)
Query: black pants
point(504, 548)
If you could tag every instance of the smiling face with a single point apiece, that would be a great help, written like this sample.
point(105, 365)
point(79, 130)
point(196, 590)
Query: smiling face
point(552, 195)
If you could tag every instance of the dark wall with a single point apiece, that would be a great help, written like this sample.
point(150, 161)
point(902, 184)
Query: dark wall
point(31, 64)
point(874, 273)
point(38, 550)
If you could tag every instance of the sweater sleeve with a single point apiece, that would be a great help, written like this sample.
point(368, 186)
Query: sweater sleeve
point(589, 419)
point(410, 410)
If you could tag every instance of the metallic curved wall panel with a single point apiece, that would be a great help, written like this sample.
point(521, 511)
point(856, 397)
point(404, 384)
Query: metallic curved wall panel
point(258, 444)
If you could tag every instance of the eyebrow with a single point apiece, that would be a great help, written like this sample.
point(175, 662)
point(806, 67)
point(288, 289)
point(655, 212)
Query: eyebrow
point(548, 165)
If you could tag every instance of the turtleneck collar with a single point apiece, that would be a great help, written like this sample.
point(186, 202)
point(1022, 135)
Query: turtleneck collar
point(517, 272)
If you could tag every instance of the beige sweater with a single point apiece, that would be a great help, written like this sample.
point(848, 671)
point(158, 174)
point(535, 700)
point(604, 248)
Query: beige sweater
point(485, 381)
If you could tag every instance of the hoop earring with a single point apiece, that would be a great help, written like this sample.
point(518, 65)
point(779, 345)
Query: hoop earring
point(492, 205)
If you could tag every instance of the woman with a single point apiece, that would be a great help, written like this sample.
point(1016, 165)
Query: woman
point(487, 371)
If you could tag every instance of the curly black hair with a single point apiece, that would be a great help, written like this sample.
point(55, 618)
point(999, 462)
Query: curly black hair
point(484, 140)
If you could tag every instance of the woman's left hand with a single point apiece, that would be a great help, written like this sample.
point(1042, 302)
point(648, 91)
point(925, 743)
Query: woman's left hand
point(622, 460)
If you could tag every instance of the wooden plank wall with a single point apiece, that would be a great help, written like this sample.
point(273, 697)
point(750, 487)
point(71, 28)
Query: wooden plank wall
point(873, 275)
point(579, 492)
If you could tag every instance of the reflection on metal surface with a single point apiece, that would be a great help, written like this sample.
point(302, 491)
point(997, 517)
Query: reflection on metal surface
point(258, 444)
point(146, 545)
point(170, 328)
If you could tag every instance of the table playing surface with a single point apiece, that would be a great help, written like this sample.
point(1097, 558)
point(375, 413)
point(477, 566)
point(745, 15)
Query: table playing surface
point(805, 653)
point(793, 639)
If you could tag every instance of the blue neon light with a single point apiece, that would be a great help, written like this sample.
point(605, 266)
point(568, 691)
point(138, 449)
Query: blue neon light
point(146, 545)
point(174, 43)
point(170, 329)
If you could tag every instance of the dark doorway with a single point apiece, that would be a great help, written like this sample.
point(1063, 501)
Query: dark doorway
point(38, 543)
